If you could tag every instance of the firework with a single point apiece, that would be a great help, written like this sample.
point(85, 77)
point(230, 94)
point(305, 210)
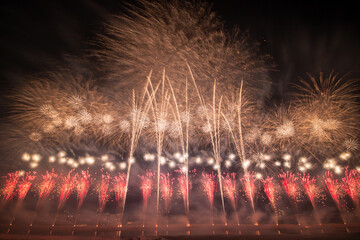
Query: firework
point(270, 192)
point(309, 185)
point(231, 191)
point(248, 182)
point(288, 181)
point(103, 191)
point(146, 185)
point(230, 187)
point(166, 187)
point(119, 183)
point(327, 113)
point(178, 30)
point(47, 185)
point(82, 187)
point(351, 187)
point(10, 186)
point(67, 187)
point(25, 184)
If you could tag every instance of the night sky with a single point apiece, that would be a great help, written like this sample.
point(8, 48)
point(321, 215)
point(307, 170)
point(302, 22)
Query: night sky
point(301, 36)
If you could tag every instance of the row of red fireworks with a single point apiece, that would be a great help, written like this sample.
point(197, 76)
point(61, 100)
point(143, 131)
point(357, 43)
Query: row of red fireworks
point(16, 184)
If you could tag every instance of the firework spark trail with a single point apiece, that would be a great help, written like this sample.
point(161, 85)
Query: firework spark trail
point(138, 120)
point(209, 187)
point(249, 187)
point(270, 192)
point(10, 186)
point(309, 185)
point(231, 191)
point(351, 188)
point(183, 124)
point(160, 112)
point(146, 184)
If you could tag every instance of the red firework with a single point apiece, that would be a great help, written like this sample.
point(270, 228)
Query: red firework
point(230, 187)
point(146, 185)
point(183, 187)
point(49, 180)
point(309, 185)
point(82, 187)
point(25, 184)
point(67, 187)
point(119, 183)
point(269, 190)
point(332, 186)
point(350, 185)
point(249, 187)
point(103, 191)
point(209, 185)
point(10, 186)
point(288, 181)
point(166, 186)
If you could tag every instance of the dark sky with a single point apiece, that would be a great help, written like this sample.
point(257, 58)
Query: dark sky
point(302, 36)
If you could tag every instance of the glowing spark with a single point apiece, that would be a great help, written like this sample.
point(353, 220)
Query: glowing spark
point(26, 157)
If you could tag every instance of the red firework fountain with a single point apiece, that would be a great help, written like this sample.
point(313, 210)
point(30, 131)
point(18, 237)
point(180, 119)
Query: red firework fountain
point(25, 184)
point(47, 185)
point(82, 188)
point(166, 186)
point(311, 190)
point(288, 181)
point(249, 187)
point(67, 186)
point(146, 185)
point(270, 192)
point(183, 191)
point(333, 188)
point(103, 191)
point(351, 188)
point(119, 183)
point(10, 186)
point(209, 186)
point(49, 180)
point(23, 189)
point(103, 195)
point(230, 189)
